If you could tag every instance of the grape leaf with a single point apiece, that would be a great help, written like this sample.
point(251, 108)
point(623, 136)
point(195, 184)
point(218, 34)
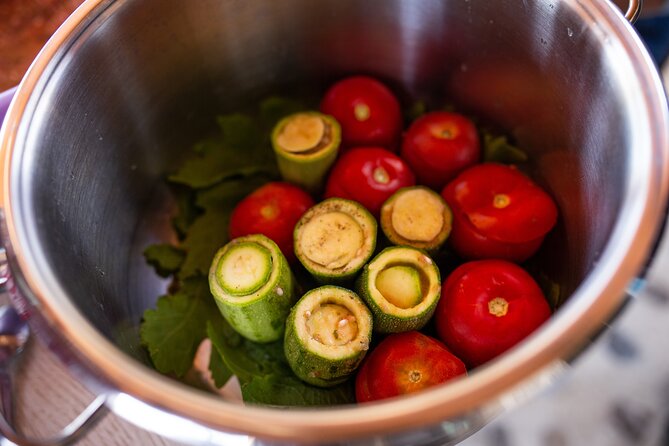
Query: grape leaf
point(239, 131)
point(415, 111)
point(187, 211)
point(227, 194)
point(206, 235)
point(220, 372)
point(497, 148)
point(265, 376)
point(217, 164)
point(245, 358)
point(274, 108)
point(165, 258)
point(285, 390)
point(238, 150)
point(174, 329)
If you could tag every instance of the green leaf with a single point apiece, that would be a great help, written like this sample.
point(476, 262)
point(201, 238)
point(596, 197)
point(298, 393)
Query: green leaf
point(497, 148)
point(551, 289)
point(214, 165)
point(227, 194)
point(174, 329)
point(264, 374)
point(245, 358)
point(282, 390)
point(239, 131)
point(275, 108)
point(220, 372)
point(415, 111)
point(239, 150)
point(187, 212)
point(166, 259)
point(206, 235)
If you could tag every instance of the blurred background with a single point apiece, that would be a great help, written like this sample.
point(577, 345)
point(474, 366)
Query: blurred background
point(25, 25)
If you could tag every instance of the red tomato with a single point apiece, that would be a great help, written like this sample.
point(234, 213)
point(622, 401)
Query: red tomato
point(368, 175)
point(439, 145)
point(368, 112)
point(271, 210)
point(487, 307)
point(405, 363)
point(498, 213)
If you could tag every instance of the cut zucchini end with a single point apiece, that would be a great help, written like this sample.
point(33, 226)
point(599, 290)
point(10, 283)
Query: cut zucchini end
point(416, 216)
point(306, 146)
point(335, 238)
point(306, 135)
point(401, 286)
point(327, 334)
point(244, 268)
point(301, 133)
point(253, 287)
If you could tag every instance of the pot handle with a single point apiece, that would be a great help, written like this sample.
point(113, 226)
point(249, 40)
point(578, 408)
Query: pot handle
point(633, 10)
point(68, 435)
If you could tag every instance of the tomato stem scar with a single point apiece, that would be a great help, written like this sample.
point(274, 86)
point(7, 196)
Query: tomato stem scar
point(498, 306)
point(414, 376)
point(269, 212)
point(381, 175)
point(361, 112)
point(500, 201)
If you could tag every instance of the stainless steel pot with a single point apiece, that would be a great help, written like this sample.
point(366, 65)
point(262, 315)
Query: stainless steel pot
point(108, 106)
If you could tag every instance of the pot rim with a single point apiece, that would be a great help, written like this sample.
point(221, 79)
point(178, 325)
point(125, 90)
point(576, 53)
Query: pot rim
point(589, 307)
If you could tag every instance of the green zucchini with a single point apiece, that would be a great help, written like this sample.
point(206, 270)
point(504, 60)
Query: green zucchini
point(253, 287)
point(306, 146)
point(328, 333)
point(401, 287)
point(416, 216)
point(334, 239)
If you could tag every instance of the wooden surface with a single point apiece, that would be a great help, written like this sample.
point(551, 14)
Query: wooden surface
point(48, 398)
point(25, 25)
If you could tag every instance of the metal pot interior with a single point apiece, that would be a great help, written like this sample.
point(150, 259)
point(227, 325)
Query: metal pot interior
point(136, 82)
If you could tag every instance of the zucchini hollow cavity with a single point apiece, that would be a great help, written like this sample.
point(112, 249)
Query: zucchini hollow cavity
point(401, 287)
point(253, 287)
point(334, 239)
point(328, 333)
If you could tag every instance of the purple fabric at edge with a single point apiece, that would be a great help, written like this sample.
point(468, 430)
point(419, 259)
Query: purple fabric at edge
point(5, 99)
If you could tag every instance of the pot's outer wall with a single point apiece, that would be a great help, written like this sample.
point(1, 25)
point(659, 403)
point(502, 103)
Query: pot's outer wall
point(136, 82)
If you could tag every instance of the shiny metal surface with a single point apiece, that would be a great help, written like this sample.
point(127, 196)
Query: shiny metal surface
point(124, 86)
point(14, 334)
point(633, 10)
